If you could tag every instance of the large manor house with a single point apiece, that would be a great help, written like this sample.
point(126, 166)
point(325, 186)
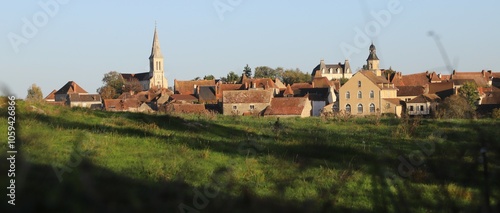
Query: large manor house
point(333, 88)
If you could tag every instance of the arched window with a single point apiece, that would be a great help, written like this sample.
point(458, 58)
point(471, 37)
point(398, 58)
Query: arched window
point(372, 107)
point(360, 108)
point(348, 108)
point(335, 108)
point(347, 95)
point(359, 83)
point(372, 94)
point(360, 95)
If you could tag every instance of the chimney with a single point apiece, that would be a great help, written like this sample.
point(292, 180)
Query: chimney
point(322, 65)
point(439, 76)
point(484, 73)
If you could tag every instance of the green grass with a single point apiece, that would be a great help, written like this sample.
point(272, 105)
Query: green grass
point(126, 162)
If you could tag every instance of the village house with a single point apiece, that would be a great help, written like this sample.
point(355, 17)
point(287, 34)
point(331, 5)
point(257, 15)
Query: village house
point(332, 71)
point(289, 107)
point(368, 92)
point(51, 97)
point(246, 102)
point(71, 94)
point(423, 105)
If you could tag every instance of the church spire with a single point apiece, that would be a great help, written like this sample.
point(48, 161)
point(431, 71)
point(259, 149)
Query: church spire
point(156, 50)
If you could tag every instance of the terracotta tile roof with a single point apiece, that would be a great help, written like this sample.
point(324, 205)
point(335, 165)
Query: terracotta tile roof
point(51, 95)
point(131, 103)
point(113, 105)
point(186, 108)
point(380, 81)
point(443, 89)
point(247, 96)
point(462, 81)
point(321, 82)
point(223, 87)
point(491, 98)
point(188, 87)
point(75, 97)
point(70, 87)
point(296, 87)
point(188, 98)
point(410, 90)
point(425, 98)
point(264, 83)
point(286, 106)
point(288, 91)
point(417, 79)
point(139, 76)
point(395, 101)
point(481, 78)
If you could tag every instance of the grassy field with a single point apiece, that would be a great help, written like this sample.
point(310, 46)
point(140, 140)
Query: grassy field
point(78, 160)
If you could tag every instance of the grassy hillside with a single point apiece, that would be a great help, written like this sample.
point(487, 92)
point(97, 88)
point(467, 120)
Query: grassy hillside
point(77, 160)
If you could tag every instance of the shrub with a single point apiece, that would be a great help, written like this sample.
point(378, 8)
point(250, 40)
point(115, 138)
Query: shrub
point(496, 113)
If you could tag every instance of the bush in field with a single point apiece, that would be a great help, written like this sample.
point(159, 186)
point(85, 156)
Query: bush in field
point(496, 113)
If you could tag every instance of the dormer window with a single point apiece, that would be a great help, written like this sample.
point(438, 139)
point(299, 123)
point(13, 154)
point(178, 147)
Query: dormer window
point(331, 70)
point(338, 70)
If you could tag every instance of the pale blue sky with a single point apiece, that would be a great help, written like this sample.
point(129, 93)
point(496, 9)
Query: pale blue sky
point(85, 39)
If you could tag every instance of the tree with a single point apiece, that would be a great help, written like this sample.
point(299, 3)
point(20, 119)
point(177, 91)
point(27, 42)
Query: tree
point(133, 85)
point(455, 106)
point(208, 77)
point(247, 71)
point(266, 72)
point(231, 78)
point(343, 81)
point(107, 92)
point(112, 80)
point(470, 93)
point(34, 93)
point(291, 76)
point(389, 73)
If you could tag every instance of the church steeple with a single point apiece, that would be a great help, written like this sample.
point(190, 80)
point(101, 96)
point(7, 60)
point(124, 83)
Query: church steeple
point(156, 50)
point(372, 62)
point(156, 71)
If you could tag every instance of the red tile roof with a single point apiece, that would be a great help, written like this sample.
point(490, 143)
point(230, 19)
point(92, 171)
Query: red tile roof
point(70, 87)
point(425, 98)
point(247, 96)
point(51, 95)
point(188, 98)
point(286, 106)
point(186, 108)
point(263, 83)
point(223, 87)
point(481, 78)
point(410, 90)
point(288, 91)
point(188, 87)
point(417, 79)
point(321, 82)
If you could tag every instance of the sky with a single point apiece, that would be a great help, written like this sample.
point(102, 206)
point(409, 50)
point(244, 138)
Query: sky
point(51, 42)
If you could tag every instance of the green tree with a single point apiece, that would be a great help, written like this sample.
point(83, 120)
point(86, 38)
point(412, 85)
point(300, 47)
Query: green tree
point(231, 77)
point(291, 76)
point(247, 71)
point(455, 106)
point(343, 81)
point(266, 72)
point(208, 77)
point(34, 93)
point(470, 93)
point(114, 80)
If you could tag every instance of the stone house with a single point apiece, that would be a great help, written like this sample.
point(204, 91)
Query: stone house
point(332, 71)
point(71, 94)
point(240, 102)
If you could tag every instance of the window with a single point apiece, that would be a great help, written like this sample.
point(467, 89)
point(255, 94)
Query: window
point(331, 70)
point(335, 108)
point(411, 108)
point(348, 108)
point(235, 107)
point(421, 107)
point(359, 83)
point(347, 95)
point(372, 107)
point(338, 70)
point(252, 107)
point(360, 108)
point(360, 95)
point(372, 94)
